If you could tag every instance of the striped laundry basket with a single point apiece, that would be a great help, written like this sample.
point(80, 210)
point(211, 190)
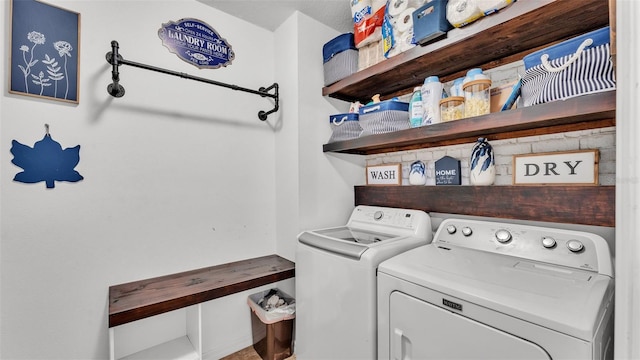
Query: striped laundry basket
point(340, 58)
point(344, 127)
point(383, 117)
point(578, 66)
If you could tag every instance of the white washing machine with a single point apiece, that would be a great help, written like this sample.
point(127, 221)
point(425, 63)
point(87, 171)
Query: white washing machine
point(492, 290)
point(336, 280)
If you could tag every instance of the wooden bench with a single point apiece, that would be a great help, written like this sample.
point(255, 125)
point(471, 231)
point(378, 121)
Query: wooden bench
point(144, 298)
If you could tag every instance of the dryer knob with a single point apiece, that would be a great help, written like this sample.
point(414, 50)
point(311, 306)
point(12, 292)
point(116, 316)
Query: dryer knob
point(451, 229)
point(548, 242)
point(503, 236)
point(575, 246)
point(378, 215)
point(466, 231)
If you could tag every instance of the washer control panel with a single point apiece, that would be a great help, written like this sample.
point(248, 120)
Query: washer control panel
point(391, 220)
point(570, 248)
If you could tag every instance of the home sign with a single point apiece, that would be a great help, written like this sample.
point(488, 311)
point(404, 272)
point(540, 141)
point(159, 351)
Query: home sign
point(384, 175)
point(448, 171)
point(196, 43)
point(578, 167)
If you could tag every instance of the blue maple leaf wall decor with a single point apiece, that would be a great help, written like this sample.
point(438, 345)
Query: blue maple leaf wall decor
point(46, 161)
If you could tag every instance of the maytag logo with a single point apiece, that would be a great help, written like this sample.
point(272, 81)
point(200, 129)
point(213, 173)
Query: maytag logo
point(451, 304)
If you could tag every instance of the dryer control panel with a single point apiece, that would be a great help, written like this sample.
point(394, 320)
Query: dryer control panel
point(562, 247)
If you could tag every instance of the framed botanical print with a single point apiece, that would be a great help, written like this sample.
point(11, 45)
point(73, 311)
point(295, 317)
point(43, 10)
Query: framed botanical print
point(45, 51)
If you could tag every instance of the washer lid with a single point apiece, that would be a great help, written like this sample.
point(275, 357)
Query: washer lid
point(359, 236)
point(564, 299)
point(344, 240)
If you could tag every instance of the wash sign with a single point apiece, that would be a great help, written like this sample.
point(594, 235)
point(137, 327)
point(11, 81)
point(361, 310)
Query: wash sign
point(196, 43)
point(572, 167)
point(384, 174)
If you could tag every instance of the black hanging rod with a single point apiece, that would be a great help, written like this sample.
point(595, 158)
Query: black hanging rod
point(116, 90)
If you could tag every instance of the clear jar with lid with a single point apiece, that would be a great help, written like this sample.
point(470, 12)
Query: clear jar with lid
point(477, 94)
point(452, 108)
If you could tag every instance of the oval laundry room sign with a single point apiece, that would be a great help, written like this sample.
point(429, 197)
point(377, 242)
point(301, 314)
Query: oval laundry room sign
point(197, 43)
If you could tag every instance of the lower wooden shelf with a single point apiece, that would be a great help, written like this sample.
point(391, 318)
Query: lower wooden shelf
point(177, 349)
point(587, 205)
point(142, 299)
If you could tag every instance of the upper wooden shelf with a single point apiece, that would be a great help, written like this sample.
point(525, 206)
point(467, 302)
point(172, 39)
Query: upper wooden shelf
point(579, 113)
point(509, 35)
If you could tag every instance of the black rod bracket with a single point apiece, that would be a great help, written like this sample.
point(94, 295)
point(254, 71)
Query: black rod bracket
point(116, 90)
point(262, 115)
point(113, 58)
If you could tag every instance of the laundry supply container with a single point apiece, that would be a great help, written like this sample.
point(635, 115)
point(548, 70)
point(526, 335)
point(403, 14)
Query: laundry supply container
point(430, 22)
point(272, 317)
point(383, 117)
point(340, 58)
point(477, 93)
point(452, 108)
point(344, 127)
point(578, 66)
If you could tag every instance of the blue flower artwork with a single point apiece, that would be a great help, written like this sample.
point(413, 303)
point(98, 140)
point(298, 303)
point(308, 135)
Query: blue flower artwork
point(44, 51)
point(46, 161)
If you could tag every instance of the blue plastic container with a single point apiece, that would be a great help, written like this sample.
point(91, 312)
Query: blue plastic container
point(430, 22)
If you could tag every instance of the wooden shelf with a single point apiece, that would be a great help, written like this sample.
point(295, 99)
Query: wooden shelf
point(180, 348)
point(502, 38)
point(140, 299)
point(588, 205)
point(509, 35)
point(580, 113)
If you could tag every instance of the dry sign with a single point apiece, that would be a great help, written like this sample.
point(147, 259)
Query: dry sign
point(572, 167)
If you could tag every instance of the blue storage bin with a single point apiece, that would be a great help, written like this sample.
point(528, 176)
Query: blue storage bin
point(340, 58)
point(578, 66)
point(430, 22)
point(344, 127)
point(383, 117)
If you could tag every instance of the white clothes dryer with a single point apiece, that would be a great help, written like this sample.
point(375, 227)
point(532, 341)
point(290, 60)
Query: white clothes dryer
point(336, 280)
point(492, 290)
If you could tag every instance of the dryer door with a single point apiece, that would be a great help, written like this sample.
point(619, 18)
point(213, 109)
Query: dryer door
point(420, 330)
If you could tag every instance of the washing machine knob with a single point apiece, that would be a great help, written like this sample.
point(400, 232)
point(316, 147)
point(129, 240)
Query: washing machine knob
point(548, 242)
point(575, 246)
point(451, 229)
point(378, 215)
point(503, 236)
point(466, 231)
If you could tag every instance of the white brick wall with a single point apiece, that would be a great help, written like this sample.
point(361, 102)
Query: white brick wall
point(601, 139)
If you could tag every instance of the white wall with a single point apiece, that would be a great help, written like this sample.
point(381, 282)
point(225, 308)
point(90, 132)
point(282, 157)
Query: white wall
point(326, 179)
point(314, 188)
point(627, 306)
point(177, 175)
